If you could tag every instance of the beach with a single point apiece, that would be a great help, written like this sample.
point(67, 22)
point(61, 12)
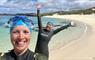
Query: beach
point(75, 32)
point(82, 48)
point(73, 43)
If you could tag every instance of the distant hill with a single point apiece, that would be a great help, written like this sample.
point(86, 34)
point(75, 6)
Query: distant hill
point(83, 11)
point(27, 14)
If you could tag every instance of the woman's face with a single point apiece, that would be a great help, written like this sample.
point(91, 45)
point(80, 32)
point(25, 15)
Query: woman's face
point(20, 38)
point(49, 27)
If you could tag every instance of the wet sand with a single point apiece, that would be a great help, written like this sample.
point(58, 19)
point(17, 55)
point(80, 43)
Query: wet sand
point(81, 49)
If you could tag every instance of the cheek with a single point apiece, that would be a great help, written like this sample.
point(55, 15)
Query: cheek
point(48, 28)
point(14, 36)
point(28, 37)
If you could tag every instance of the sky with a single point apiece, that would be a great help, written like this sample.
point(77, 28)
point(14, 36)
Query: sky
point(28, 6)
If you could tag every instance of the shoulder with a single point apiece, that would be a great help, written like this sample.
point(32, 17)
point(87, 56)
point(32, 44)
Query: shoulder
point(2, 56)
point(39, 56)
point(30, 52)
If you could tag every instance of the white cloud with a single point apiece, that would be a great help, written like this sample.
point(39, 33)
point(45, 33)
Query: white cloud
point(2, 2)
point(26, 5)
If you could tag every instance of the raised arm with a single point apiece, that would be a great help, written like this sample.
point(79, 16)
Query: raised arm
point(39, 55)
point(62, 28)
point(39, 20)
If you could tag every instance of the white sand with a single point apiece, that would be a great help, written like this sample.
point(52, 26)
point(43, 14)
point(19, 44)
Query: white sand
point(81, 49)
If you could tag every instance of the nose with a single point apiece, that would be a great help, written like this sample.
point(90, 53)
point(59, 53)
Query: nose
point(21, 36)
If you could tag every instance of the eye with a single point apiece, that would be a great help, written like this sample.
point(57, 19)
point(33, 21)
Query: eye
point(16, 31)
point(25, 31)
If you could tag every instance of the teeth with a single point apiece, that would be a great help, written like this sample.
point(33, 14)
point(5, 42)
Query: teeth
point(21, 43)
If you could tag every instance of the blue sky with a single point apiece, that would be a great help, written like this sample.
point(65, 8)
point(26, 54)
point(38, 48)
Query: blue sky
point(21, 6)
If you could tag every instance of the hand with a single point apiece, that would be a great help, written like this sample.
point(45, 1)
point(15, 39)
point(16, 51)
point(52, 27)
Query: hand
point(72, 23)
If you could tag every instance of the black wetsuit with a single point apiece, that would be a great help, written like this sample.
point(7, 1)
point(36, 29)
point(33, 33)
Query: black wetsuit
point(41, 50)
point(28, 55)
point(44, 37)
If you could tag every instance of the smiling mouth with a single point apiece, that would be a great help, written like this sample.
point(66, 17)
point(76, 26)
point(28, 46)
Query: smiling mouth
point(20, 43)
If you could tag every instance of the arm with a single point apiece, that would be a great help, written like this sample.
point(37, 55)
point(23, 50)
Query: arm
point(39, 20)
point(61, 28)
point(38, 54)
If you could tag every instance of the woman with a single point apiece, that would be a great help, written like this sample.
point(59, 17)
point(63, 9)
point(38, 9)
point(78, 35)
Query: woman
point(20, 34)
point(45, 35)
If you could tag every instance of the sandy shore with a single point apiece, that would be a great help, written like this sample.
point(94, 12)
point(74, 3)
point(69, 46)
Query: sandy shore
point(81, 49)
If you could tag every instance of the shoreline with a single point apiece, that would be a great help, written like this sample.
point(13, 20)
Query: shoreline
point(82, 34)
point(80, 49)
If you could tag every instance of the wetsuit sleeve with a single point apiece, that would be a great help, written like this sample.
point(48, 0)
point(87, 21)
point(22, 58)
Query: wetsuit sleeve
point(61, 28)
point(39, 21)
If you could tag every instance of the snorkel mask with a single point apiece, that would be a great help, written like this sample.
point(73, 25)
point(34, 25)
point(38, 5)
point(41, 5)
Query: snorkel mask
point(20, 20)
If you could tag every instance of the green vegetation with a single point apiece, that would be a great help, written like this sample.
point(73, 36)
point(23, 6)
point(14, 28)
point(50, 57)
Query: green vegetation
point(85, 11)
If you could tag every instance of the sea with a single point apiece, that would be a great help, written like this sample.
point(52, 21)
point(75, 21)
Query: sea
point(57, 41)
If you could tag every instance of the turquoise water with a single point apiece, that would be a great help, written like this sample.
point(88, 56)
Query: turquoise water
point(58, 40)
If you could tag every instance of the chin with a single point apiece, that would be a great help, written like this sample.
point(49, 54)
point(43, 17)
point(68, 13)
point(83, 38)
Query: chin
point(20, 46)
point(19, 49)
